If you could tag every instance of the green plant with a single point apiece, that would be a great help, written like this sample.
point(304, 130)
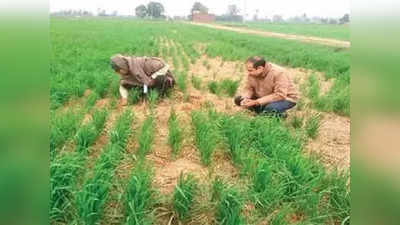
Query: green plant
point(102, 84)
point(62, 128)
point(213, 87)
point(91, 101)
point(229, 86)
point(90, 200)
point(134, 96)
point(205, 136)
point(196, 82)
point(85, 137)
point(99, 119)
point(63, 172)
point(296, 122)
point(183, 197)
point(146, 136)
point(153, 97)
point(175, 133)
point(312, 125)
point(229, 207)
point(138, 197)
point(181, 81)
point(121, 130)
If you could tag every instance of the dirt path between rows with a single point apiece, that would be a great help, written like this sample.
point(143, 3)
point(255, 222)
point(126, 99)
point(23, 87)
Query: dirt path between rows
point(302, 38)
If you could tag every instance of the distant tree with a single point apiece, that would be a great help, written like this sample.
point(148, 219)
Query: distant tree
point(197, 6)
point(141, 11)
point(155, 9)
point(101, 12)
point(277, 19)
point(345, 19)
point(114, 13)
point(255, 17)
point(332, 21)
point(233, 10)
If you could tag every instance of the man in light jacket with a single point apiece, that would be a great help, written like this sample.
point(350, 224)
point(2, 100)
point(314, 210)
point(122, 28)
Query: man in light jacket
point(269, 89)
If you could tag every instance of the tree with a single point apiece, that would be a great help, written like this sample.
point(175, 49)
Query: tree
point(197, 6)
point(233, 10)
point(155, 9)
point(277, 19)
point(141, 11)
point(345, 19)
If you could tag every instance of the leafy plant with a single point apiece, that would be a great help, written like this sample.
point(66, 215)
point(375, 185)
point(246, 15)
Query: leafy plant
point(196, 82)
point(183, 197)
point(134, 96)
point(146, 136)
point(175, 133)
point(312, 125)
point(205, 136)
point(138, 197)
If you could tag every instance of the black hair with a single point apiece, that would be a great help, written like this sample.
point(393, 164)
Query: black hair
point(257, 61)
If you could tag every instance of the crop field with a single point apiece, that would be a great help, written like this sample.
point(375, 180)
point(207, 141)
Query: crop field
point(340, 32)
point(192, 157)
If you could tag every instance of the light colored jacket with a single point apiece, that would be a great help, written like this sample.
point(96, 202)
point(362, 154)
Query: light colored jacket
point(272, 85)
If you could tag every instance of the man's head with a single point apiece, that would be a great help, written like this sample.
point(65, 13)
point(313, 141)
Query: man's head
point(255, 65)
point(119, 64)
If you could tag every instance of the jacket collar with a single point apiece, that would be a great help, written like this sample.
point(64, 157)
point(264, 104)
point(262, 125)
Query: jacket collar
point(267, 69)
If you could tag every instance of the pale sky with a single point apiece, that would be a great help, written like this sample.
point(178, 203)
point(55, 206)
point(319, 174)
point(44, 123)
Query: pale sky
point(286, 8)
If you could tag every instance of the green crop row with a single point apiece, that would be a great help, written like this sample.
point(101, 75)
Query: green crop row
point(64, 169)
point(267, 153)
point(90, 200)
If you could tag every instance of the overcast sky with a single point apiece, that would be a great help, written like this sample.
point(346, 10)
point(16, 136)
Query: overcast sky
point(286, 8)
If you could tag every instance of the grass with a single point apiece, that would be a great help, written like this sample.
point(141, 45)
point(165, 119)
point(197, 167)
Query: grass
point(63, 171)
point(91, 100)
point(181, 81)
point(225, 87)
point(337, 99)
point(312, 125)
point(183, 197)
point(62, 128)
point(90, 200)
point(229, 86)
point(205, 136)
point(146, 136)
point(297, 122)
point(85, 137)
point(102, 85)
point(213, 87)
point(134, 96)
point(229, 207)
point(153, 97)
point(175, 133)
point(138, 198)
point(196, 82)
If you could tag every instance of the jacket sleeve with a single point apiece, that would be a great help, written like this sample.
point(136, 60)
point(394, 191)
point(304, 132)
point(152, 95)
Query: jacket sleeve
point(280, 90)
point(248, 90)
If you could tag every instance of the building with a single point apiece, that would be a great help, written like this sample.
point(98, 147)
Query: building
point(200, 17)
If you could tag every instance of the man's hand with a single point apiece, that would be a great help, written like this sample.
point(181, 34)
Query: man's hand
point(247, 103)
point(123, 102)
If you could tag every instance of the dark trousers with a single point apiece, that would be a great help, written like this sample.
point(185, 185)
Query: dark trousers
point(278, 107)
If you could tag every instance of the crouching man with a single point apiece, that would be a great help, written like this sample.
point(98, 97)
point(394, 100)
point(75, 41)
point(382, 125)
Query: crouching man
point(141, 72)
point(269, 90)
